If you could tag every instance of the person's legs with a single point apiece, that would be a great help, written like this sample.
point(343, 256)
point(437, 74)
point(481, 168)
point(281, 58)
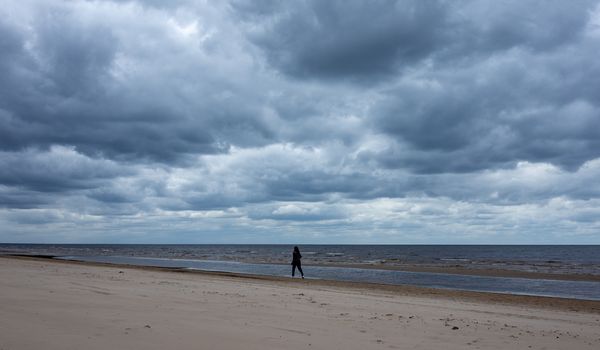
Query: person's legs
point(301, 272)
point(293, 270)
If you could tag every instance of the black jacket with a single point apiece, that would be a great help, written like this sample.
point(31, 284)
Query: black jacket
point(296, 258)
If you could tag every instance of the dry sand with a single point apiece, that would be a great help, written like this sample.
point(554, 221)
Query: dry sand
point(47, 304)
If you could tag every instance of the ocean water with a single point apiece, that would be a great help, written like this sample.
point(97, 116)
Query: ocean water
point(346, 263)
point(573, 259)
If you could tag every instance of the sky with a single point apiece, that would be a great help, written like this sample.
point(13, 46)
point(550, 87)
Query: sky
point(354, 122)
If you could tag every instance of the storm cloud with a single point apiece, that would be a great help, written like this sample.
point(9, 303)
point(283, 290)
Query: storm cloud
point(308, 121)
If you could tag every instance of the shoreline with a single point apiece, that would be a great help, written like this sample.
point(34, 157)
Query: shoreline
point(430, 268)
point(557, 303)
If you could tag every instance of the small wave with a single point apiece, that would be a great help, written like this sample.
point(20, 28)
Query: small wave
point(334, 254)
point(455, 259)
point(374, 262)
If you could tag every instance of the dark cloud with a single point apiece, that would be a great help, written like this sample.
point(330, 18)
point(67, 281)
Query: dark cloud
point(538, 25)
point(58, 170)
point(65, 85)
point(345, 39)
point(112, 196)
point(18, 198)
point(375, 40)
point(495, 112)
point(76, 55)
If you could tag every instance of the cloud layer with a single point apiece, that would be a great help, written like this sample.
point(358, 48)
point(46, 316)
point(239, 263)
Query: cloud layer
point(310, 121)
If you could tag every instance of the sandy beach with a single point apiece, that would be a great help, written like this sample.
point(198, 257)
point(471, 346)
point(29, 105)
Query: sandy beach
point(63, 305)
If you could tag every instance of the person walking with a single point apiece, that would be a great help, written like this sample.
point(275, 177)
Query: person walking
point(296, 262)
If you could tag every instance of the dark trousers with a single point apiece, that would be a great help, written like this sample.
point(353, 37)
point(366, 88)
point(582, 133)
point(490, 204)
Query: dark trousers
point(299, 269)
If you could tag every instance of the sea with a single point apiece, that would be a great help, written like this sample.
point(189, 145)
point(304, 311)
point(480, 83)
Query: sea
point(361, 263)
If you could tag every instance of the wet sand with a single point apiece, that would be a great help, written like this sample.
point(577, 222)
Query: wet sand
point(65, 305)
